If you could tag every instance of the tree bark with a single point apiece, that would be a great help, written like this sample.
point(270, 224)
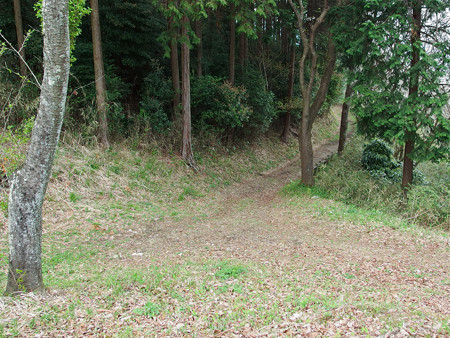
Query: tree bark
point(175, 68)
point(242, 51)
point(99, 70)
point(232, 46)
point(29, 184)
point(198, 33)
point(344, 118)
point(408, 164)
point(287, 121)
point(186, 148)
point(20, 38)
point(311, 106)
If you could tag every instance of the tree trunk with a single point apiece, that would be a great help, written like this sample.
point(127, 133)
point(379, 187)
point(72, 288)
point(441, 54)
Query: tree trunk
point(306, 151)
point(174, 65)
point(232, 45)
point(408, 165)
point(242, 50)
point(287, 121)
point(344, 118)
point(20, 37)
point(186, 148)
point(29, 184)
point(100, 81)
point(311, 110)
point(198, 33)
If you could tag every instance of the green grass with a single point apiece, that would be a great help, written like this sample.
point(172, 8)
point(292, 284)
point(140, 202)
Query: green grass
point(343, 179)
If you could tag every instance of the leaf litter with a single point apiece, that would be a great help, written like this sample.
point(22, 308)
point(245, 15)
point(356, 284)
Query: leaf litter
point(240, 261)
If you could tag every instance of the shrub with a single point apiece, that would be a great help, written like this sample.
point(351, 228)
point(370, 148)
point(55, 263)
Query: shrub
point(155, 105)
point(261, 101)
point(218, 106)
point(377, 159)
point(13, 145)
point(345, 179)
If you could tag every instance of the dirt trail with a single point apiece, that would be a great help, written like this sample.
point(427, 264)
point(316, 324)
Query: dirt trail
point(251, 222)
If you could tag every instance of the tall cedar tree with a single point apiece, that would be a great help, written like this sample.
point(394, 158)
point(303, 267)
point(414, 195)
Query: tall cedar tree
point(20, 37)
point(403, 54)
point(100, 80)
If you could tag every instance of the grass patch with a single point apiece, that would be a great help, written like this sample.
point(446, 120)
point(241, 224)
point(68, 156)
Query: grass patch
point(343, 179)
point(228, 270)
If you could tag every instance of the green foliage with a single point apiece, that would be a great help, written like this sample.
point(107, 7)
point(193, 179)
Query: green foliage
point(189, 191)
point(227, 270)
point(377, 159)
point(261, 101)
point(344, 179)
point(81, 116)
point(77, 10)
point(384, 103)
point(297, 188)
point(155, 102)
point(13, 144)
point(150, 309)
point(218, 106)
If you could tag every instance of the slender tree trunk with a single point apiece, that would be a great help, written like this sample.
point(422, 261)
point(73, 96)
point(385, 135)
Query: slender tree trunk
point(198, 33)
point(186, 148)
point(287, 121)
point(344, 118)
point(311, 106)
point(232, 46)
point(174, 66)
point(20, 37)
point(29, 184)
point(306, 150)
point(242, 50)
point(99, 70)
point(246, 50)
point(408, 164)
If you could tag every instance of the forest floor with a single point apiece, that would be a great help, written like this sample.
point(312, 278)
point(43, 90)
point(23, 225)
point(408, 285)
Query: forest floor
point(242, 261)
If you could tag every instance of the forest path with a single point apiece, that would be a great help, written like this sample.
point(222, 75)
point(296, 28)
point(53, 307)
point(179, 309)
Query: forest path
point(391, 272)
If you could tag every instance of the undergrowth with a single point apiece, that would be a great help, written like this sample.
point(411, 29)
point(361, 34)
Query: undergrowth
point(344, 179)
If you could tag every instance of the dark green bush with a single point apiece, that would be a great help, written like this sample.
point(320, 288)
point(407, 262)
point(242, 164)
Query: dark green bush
point(261, 101)
point(377, 156)
point(218, 106)
point(346, 180)
point(155, 105)
point(378, 160)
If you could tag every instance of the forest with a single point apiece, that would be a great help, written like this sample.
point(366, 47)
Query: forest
point(224, 167)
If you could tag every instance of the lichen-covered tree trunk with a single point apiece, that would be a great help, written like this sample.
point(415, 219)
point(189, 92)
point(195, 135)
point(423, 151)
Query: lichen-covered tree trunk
point(20, 37)
point(99, 70)
point(29, 184)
